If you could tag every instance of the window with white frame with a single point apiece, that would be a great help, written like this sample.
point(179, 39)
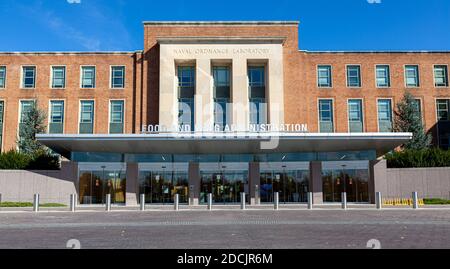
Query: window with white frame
point(86, 117)
point(117, 77)
point(25, 107)
point(56, 125)
point(443, 109)
point(355, 116)
point(383, 76)
point(385, 115)
point(324, 76)
point(116, 119)
point(28, 77)
point(353, 76)
point(326, 124)
point(58, 77)
point(88, 77)
point(2, 77)
point(440, 76)
point(412, 76)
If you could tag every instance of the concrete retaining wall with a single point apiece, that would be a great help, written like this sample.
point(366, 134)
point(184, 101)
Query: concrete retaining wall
point(53, 186)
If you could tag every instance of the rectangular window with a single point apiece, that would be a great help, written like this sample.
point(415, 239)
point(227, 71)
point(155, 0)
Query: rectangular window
point(2, 77)
point(222, 94)
point(324, 76)
point(186, 91)
point(440, 76)
point(86, 117)
point(257, 94)
point(118, 77)
point(56, 117)
point(442, 110)
point(116, 118)
point(326, 124)
point(412, 76)
point(25, 108)
point(58, 77)
point(353, 76)
point(385, 116)
point(2, 112)
point(383, 76)
point(88, 77)
point(418, 105)
point(355, 116)
point(28, 77)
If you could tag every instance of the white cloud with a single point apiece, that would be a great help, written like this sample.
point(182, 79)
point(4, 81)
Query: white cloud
point(74, 1)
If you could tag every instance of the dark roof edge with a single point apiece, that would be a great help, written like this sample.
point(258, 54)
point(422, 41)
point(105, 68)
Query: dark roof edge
point(69, 52)
point(219, 23)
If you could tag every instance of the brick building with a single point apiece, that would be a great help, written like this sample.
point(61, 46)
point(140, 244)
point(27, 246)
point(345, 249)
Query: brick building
point(192, 113)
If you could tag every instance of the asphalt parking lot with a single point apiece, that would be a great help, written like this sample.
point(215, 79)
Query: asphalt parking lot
point(227, 229)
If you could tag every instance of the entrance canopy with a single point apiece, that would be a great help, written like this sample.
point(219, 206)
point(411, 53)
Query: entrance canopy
point(224, 143)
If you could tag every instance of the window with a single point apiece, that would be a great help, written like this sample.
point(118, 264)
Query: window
point(324, 76)
point(440, 76)
point(58, 77)
point(87, 117)
point(442, 110)
point(222, 94)
point(418, 106)
point(355, 116)
point(116, 118)
point(412, 76)
point(384, 115)
point(353, 76)
point(383, 76)
point(56, 125)
point(2, 77)
point(25, 108)
point(29, 77)
point(443, 125)
point(88, 77)
point(118, 77)
point(186, 91)
point(326, 116)
point(2, 112)
point(257, 94)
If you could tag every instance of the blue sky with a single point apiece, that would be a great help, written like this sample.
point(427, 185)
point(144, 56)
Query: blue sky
point(116, 25)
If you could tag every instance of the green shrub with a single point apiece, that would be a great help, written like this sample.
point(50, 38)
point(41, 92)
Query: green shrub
point(419, 158)
point(14, 160)
point(41, 160)
point(436, 201)
point(26, 204)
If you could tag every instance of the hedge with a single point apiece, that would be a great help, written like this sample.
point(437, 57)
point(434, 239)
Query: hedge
point(425, 158)
point(14, 160)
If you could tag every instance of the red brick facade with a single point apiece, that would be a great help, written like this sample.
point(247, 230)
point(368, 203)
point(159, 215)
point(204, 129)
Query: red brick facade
point(141, 92)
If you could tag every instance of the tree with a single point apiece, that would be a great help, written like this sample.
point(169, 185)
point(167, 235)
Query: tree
point(33, 124)
point(408, 119)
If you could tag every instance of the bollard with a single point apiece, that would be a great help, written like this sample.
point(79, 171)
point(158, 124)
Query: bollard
point(176, 206)
point(73, 202)
point(209, 201)
point(310, 200)
point(108, 202)
point(379, 200)
point(36, 203)
point(344, 200)
point(0, 199)
point(142, 202)
point(415, 200)
point(243, 201)
point(276, 201)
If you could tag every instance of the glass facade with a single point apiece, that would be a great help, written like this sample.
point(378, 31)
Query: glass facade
point(96, 181)
point(349, 177)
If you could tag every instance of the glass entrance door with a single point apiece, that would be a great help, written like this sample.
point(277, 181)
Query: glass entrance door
point(160, 187)
point(95, 185)
point(291, 185)
point(225, 187)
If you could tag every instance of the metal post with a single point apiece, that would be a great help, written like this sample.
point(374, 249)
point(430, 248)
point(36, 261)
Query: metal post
point(142, 202)
point(276, 201)
point(310, 200)
point(243, 201)
point(209, 201)
point(379, 200)
point(344, 200)
point(73, 202)
point(0, 198)
point(415, 200)
point(108, 202)
point(177, 202)
point(36, 203)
